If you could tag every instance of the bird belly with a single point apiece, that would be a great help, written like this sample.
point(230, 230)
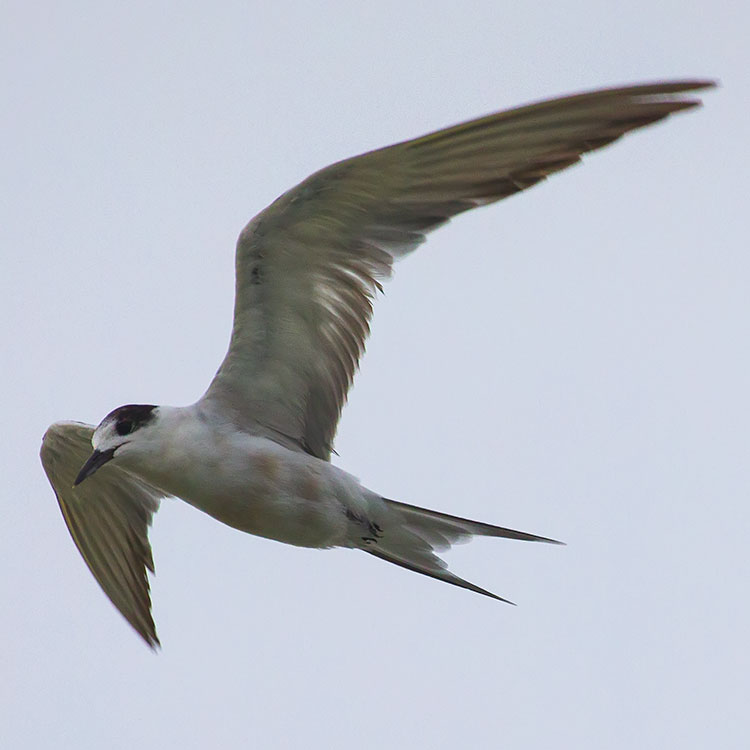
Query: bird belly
point(276, 515)
point(267, 490)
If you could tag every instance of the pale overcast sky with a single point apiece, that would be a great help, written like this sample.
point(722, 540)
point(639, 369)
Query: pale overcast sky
point(572, 362)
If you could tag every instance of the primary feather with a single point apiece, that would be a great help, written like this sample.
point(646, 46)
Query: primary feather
point(309, 265)
point(108, 520)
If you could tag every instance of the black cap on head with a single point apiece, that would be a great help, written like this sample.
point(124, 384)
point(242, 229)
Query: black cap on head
point(131, 417)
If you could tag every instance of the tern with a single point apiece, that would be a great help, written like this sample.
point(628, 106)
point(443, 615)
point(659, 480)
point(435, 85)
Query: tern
point(254, 451)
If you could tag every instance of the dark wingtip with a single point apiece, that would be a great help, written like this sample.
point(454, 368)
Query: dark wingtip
point(151, 639)
point(696, 84)
point(536, 538)
point(553, 541)
point(707, 83)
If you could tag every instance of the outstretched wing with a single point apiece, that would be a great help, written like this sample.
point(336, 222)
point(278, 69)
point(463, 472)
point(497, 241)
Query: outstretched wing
point(108, 517)
point(308, 267)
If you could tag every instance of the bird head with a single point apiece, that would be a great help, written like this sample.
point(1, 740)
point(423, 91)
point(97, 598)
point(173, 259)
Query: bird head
point(120, 432)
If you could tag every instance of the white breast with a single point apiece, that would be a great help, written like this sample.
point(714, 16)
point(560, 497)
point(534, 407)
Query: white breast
point(258, 486)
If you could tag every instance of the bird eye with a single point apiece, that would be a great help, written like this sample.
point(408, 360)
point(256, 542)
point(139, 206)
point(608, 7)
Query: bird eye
point(124, 427)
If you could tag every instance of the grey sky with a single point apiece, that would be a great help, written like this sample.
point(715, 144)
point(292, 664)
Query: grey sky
point(572, 362)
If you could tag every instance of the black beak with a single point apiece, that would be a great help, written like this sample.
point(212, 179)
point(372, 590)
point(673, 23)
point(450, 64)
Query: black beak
point(94, 462)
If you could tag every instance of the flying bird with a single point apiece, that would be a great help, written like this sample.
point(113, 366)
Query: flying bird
point(254, 451)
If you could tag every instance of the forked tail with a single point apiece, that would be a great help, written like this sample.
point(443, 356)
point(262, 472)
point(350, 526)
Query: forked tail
point(411, 537)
